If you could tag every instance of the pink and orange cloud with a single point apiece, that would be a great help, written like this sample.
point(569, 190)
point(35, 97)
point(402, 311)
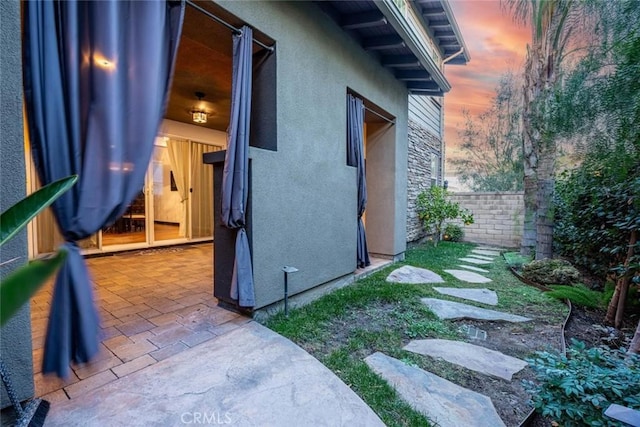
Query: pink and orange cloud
point(496, 44)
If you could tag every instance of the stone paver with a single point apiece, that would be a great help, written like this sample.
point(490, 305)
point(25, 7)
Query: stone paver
point(486, 258)
point(468, 276)
point(409, 274)
point(134, 365)
point(248, 377)
point(82, 387)
point(442, 401)
point(475, 261)
point(484, 296)
point(456, 310)
point(473, 357)
point(486, 252)
point(470, 267)
point(489, 248)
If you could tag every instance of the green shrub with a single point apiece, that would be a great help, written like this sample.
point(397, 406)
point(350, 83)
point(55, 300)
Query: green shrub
point(516, 260)
point(576, 389)
point(551, 272)
point(434, 208)
point(453, 233)
point(579, 295)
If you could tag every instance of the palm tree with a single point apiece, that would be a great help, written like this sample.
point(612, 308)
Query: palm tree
point(552, 23)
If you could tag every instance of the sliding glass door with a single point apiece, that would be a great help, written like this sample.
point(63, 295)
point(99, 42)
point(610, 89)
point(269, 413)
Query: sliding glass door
point(174, 206)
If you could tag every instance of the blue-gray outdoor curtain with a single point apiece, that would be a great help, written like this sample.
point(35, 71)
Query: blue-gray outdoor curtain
point(235, 178)
point(355, 157)
point(96, 82)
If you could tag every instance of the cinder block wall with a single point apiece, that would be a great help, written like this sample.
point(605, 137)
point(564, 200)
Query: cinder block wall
point(422, 144)
point(498, 217)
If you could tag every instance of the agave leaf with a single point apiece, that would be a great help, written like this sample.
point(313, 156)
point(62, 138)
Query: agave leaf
point(18, 216)
point(21, 284)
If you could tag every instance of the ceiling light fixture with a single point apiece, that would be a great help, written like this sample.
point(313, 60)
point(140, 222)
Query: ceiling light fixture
point(198, 115)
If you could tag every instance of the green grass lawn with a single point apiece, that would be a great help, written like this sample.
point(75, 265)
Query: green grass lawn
point(342, 328)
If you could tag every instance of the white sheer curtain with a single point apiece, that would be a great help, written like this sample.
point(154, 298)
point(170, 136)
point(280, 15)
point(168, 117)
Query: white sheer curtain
point(179, 159)
point(202, 196)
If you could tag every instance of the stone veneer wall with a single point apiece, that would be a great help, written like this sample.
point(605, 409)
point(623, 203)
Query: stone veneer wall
point(421, 145)
point(498, 217)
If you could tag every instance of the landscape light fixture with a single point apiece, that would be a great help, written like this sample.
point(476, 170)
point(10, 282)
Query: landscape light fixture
point(198, 114)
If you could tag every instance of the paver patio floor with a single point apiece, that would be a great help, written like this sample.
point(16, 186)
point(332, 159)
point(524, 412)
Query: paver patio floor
point(152, 303)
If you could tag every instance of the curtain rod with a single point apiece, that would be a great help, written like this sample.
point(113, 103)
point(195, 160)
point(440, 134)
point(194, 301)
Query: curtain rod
point(225, 23)
point(392, 121)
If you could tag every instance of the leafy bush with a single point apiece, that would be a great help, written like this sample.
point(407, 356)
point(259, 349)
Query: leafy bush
point(579, 295)
point(576, 389)
point(434, 208)
point(551, 272)
point(453, 233)
point(516, 259)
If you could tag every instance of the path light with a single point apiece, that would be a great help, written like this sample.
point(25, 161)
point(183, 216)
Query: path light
point(287, 269)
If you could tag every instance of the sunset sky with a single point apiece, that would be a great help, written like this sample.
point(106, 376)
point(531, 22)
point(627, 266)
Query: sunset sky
point(496, 44)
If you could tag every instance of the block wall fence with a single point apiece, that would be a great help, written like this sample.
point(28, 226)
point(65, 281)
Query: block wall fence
point(498, 217)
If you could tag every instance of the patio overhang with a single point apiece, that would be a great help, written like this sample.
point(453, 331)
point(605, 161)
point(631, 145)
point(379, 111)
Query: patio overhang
point(411, 38)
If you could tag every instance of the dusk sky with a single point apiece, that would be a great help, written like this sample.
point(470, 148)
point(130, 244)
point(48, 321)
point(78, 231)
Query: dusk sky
point(496, 44)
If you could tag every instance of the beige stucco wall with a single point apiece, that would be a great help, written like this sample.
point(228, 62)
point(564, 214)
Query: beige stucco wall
point(498, 217)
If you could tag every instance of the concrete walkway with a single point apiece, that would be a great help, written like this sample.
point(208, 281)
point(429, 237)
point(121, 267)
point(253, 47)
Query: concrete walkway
point(250, 376)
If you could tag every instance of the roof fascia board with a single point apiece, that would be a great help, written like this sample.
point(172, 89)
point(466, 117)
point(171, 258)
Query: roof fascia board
point(400, 24)
point(454, 24)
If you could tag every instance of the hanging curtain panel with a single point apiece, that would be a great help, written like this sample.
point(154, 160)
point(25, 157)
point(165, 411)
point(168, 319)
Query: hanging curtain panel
point(202, 195)
point(355, 157)
point(96, 77)
point(179, 161)
point(235, 178)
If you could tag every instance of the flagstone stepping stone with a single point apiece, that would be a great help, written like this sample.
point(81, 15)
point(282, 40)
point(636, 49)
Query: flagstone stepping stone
point(409, 274)
point(468, 276)
point(486, 258)
point(490, 248)
point(475, 261)
point(474, 357)
point(443, 402)
point(470, 267)
point(484, 296)
point(457, 310)
point(485, 252)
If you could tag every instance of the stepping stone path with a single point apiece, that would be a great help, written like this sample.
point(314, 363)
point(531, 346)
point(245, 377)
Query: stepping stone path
point(470, 267)
point(456, 310)
point(485, 252)
point(442, 401)
point(475, 261)
point(468, 276)
point(409, 274)
point(473, 357)
point(484, 296)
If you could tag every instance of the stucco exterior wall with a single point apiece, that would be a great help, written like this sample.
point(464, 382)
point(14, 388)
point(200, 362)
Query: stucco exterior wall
point(304, 194)
point(498, 217)
point(422, 145)
point(15, 336)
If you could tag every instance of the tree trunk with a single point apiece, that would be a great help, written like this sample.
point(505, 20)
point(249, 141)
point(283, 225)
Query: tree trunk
point(528, 243)
point(615, 311)
point(634, 347)
point(545, 211)
point(530, 141)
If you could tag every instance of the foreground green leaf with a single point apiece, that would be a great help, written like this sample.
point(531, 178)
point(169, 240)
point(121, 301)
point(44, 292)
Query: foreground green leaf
point(18, 216)
point(20, 286)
